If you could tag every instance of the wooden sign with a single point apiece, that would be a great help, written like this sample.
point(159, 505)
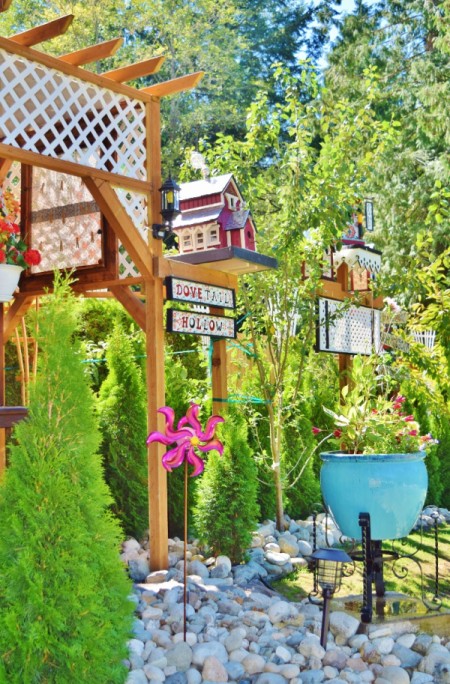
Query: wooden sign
point(344, 329)
point(199, 293)
point(368, 210)
point(200, 324)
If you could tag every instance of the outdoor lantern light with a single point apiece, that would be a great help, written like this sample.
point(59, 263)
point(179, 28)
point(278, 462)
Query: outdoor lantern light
point(170, 208)
point(329, 564)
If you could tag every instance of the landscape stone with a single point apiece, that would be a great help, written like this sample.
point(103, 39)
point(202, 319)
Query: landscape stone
point(213, 670)
point(137, 677)
point(177, 678)
point(288, 544)
point(209, 648)
point(253, 663)
point(277, 558)
point(280, 611)
point(407, 657)
point(304, 547)
point(395, 675)
point(312, 676)
point(180, 656)
point(343, 626)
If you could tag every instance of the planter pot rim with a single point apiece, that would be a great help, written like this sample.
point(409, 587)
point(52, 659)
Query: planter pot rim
point(348, 458)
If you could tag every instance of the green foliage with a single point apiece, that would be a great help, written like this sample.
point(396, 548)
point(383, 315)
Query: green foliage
point(122, 410)
point(407, 40)
point(226, 511)
point(64, 611)
point(303, 164)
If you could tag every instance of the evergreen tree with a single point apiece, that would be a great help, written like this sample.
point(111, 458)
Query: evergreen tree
point(64, 610)
point(122, 410)
point(226, 511)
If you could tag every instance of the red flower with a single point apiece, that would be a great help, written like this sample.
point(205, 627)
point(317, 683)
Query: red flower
point(413, 433)
point(316, 431)
point(32, 257)
point(409, 419)
point(2, 257)
point(337, 433)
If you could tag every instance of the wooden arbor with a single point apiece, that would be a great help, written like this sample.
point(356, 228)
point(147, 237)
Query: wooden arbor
point(84, 150)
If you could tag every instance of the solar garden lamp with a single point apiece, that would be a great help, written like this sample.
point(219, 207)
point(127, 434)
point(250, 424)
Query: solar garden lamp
point(170, 208)
point(329, 565)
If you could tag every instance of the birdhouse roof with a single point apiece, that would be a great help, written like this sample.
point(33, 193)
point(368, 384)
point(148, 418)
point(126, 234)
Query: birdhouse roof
point(237, 219)
point(197, 216)
point(204, 187)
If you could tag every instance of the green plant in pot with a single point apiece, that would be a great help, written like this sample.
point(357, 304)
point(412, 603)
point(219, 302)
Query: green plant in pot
point(378, 466)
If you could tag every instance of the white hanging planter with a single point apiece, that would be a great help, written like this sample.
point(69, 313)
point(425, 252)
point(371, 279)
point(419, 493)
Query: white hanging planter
point(9, 279)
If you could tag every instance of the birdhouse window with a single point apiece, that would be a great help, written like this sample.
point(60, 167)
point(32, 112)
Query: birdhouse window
point(186, 242)
point(232, 202)
point(199, 240)
point(213, 237)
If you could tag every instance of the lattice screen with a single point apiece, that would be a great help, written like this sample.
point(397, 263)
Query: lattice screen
point(49, 112)
point(135, 205)
point(352, 330)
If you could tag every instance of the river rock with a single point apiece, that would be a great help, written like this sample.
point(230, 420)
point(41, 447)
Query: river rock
point(253, 663)
point(395, 675)
point(180, 656)
point(304, 547)
point(213, 670)
point(288, 544)
point(277, 558)
point(209, 648)
point(137, 677)
point(281, 611)
point(343, 626)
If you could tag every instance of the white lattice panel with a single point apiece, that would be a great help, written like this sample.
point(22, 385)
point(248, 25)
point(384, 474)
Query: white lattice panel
point(127, 269)
point(46, 111)
point(135, 205)
point(352, 330)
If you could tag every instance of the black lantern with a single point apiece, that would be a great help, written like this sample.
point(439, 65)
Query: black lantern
point(170, 208)
point(329, 564)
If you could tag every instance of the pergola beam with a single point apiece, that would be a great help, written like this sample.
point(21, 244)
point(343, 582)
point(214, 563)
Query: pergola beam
point(16, 311)
point(72, 168)
point(117, 217)
point(175, 85)
point(4, 5)
point(132, 304)
point(92, 53)
point(39, 34)
point(136, 70)
point(5, 165)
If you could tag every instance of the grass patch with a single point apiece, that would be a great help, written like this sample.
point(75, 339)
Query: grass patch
point(401, 576)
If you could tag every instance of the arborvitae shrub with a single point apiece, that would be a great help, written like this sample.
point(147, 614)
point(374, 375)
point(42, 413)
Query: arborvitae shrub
point(122, 413)
point(64, 612)
point(226, 511)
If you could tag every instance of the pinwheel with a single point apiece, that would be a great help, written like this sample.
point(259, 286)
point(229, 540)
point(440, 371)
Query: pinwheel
point(189, 437)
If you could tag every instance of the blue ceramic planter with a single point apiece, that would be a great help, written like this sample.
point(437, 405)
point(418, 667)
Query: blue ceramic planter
point(391, 487)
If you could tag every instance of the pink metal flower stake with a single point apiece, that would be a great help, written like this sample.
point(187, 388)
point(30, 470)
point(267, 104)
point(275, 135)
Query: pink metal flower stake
point(190, 438)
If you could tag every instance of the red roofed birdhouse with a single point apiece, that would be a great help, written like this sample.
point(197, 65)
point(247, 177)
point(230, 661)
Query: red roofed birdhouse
point(213, 216)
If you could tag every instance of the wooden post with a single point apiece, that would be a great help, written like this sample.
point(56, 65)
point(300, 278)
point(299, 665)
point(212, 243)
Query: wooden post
point(219, 372)
point(154, 299)
point(2, 392)
point(345, 360)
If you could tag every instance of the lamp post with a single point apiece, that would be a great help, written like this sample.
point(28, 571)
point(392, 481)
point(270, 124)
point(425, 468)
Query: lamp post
point(329, 564)
point(170, 208)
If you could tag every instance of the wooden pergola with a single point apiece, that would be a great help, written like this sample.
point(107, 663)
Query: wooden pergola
point(84, 149)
